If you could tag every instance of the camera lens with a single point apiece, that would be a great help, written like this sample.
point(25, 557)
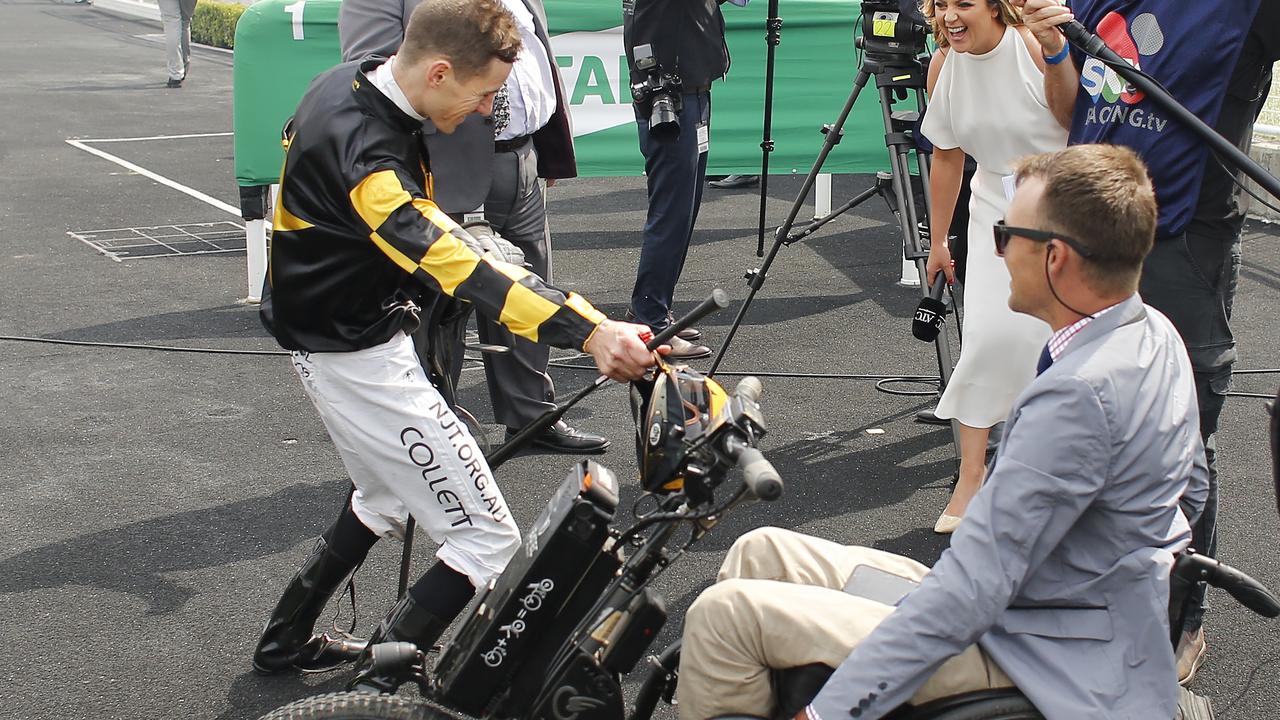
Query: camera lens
point(664, 119)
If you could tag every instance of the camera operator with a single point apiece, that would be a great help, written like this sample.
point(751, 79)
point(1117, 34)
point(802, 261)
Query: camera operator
point(1192, 271)
point(1058, 579)
point(675, 49)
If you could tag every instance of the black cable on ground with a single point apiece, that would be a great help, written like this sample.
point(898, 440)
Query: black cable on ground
point(779, 374)
point(883, 382)
point(134, 346)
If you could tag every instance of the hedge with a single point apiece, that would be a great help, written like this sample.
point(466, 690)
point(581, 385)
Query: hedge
point(214, 23)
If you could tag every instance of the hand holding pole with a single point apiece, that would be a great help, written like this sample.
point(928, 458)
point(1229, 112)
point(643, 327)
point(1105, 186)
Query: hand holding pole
point(718, 300)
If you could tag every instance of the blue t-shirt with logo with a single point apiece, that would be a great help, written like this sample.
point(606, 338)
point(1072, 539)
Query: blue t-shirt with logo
point(1190, 48)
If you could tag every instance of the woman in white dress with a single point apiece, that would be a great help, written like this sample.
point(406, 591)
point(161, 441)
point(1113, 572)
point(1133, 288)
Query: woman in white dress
point(987, 98)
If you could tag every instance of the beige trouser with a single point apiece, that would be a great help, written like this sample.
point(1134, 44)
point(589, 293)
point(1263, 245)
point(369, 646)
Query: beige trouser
point(779, 603)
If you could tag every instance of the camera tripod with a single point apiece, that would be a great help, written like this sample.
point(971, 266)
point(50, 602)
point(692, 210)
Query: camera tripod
point(897, 76)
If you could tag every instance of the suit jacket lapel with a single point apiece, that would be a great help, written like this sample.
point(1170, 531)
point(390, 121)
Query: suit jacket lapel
point(554, 141)
point(1131, 310)
point(540, 27)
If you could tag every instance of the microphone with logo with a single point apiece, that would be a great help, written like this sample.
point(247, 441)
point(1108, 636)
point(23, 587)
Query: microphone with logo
point(931, 312)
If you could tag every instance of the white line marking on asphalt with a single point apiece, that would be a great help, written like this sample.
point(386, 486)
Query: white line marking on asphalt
point(96, 249)
point(156, 177)
point(125, 243)
point(155, 137)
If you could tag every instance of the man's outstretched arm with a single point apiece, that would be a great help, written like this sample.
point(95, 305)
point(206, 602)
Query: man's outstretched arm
point(1035, 494)
point(422, 240)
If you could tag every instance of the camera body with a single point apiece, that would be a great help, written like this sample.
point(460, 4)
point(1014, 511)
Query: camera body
point(893, 30)
point(658, 94)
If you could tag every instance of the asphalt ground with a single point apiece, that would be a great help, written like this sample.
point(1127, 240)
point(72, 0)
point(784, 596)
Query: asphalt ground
point(155, 503)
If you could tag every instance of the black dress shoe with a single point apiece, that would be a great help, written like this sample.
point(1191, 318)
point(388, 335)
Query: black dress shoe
point(562, 438)
point(684, 350)
point(691, 334)
point(736, 181)
point(173, 83)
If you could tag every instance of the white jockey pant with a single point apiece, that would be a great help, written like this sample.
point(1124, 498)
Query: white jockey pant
point(407, 453)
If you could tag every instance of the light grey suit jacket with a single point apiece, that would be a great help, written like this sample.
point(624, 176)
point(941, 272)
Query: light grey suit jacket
point(462, 162)
point(1060, 570)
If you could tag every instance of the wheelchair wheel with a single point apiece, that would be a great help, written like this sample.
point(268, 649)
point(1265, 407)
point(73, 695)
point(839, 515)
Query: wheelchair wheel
point(359, 706)
point(659, 683)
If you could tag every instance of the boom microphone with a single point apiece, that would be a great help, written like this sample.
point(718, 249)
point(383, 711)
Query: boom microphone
point(931, 312)
point(1094, 45)
point(1087, 41)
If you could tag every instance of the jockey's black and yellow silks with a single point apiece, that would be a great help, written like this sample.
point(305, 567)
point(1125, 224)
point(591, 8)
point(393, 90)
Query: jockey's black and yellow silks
point(357, 240)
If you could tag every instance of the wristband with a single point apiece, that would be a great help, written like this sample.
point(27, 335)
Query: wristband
point(1062, 55)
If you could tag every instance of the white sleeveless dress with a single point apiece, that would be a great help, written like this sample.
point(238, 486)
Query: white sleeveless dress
point(993, 107)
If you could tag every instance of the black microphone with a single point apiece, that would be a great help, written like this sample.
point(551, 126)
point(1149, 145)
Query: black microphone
point(931, 312)
point(1087, 41)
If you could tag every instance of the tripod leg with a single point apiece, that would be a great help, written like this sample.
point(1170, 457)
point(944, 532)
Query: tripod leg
point(774, 26)
point(833, 137)
point(818, 222)
point(903, 197)
point(924, 161)
point(942, 343)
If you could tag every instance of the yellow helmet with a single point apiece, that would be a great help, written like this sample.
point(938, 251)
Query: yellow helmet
point(673, 409)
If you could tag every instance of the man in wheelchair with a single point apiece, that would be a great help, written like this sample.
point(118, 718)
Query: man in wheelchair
point(1057, 581)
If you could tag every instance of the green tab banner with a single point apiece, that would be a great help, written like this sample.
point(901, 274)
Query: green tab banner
point(282, 44)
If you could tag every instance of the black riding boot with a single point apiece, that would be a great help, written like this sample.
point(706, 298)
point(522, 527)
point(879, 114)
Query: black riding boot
point(289, 639)
point(407, 622)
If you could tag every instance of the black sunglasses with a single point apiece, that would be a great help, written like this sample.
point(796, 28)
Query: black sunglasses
point(1004, 232)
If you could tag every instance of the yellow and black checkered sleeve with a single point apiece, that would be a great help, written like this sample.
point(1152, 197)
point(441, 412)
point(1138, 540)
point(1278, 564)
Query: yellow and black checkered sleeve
point(422, 240)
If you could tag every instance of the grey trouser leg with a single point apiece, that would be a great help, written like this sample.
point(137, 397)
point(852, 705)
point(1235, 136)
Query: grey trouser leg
point(175, 15)
point(675, 176)
point(519, 386)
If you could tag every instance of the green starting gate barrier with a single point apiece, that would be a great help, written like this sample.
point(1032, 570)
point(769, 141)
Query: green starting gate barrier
point(282, 44)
